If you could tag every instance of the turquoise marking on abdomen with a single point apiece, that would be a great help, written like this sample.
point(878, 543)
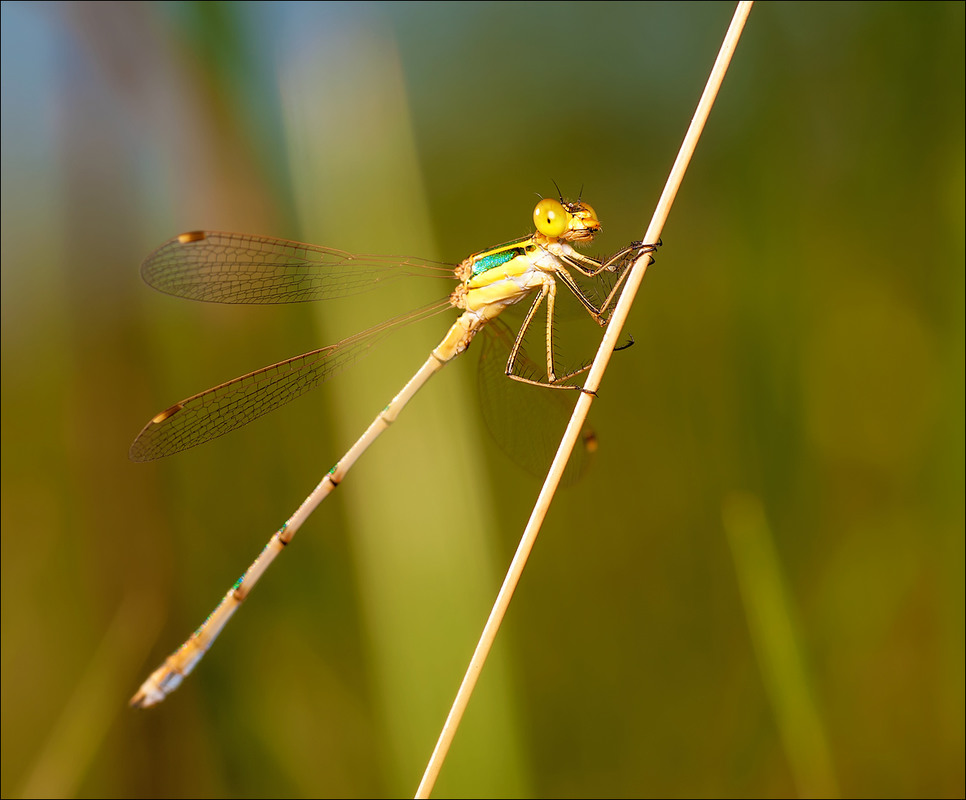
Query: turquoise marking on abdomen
point(495, 260)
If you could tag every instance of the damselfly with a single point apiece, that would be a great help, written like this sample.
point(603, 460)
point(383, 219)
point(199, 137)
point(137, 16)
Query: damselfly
point(234, 268)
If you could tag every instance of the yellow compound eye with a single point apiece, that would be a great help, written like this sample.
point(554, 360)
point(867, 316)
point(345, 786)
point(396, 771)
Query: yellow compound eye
point(551, 218)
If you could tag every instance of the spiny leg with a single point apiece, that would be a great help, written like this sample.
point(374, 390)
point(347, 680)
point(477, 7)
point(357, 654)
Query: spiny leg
point(576, 260)
point(598, 315)
point(637, 249)
point(548, 338)
point(545, 289)
point(577, 292)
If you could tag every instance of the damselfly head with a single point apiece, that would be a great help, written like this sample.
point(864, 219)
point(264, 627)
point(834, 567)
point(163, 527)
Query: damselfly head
point(569, 222)
point(584, 224)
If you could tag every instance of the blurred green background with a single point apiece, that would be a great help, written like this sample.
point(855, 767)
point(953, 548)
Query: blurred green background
point(756, 590)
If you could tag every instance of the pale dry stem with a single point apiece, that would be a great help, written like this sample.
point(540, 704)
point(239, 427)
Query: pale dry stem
point(609, 342)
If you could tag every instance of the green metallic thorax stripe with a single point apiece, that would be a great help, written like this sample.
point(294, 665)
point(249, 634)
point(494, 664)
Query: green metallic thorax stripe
point(500, 256)
point(492, 260)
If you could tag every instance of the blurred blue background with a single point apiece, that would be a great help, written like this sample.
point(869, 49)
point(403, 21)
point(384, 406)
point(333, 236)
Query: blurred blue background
point(756, 590)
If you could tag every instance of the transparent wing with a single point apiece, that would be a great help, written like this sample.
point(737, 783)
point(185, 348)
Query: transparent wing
point(526, 421)
point(224, 408)
point(222, 267)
